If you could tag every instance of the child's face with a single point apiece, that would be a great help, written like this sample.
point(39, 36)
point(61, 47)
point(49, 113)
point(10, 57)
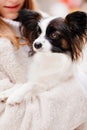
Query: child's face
point(10, 8)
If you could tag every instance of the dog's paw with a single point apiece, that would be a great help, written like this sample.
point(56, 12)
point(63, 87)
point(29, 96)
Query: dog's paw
point(4, 96)
point(14, 100)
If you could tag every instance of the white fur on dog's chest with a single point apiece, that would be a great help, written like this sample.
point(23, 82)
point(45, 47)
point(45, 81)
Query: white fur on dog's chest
point(49, 68)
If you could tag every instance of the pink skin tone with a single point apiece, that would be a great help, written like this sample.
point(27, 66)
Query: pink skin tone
point(10, 8)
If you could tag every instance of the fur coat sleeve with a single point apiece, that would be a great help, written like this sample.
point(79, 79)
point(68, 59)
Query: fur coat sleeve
point(13, 64)
point(61, 108)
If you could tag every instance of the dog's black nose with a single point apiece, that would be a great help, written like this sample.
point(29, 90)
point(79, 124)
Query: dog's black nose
point(37, 45)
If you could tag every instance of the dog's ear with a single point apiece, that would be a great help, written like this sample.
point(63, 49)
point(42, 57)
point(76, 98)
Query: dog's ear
point(77, 25)
point(77, 21)
point(29, 24)
point(29, 18)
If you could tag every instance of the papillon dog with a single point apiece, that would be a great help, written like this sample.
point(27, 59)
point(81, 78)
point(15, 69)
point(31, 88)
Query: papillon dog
point(56, 47)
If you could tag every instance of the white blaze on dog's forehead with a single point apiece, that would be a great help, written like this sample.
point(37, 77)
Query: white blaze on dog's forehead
point(44, 23)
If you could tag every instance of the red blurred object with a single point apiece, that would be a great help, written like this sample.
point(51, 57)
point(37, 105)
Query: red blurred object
point(72, 4)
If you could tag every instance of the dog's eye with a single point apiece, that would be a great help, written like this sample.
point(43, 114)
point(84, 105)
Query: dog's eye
point(55, 35)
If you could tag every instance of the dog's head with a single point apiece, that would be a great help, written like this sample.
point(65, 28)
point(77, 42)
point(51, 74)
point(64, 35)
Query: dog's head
point(54, 34)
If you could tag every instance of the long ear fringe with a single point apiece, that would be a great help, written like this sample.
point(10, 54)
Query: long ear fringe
point(29, 20)
point(26, 16)
point(77, 23)
point(77, 46)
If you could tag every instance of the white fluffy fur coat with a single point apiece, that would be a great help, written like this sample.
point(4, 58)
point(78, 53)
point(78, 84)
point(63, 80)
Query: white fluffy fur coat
point(61, 108)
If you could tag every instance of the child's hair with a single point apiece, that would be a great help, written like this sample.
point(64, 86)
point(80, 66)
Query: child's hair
point(7, 31)
point(30, 4)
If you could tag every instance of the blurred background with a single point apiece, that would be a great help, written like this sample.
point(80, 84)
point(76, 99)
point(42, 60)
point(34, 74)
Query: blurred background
point(62, 7)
